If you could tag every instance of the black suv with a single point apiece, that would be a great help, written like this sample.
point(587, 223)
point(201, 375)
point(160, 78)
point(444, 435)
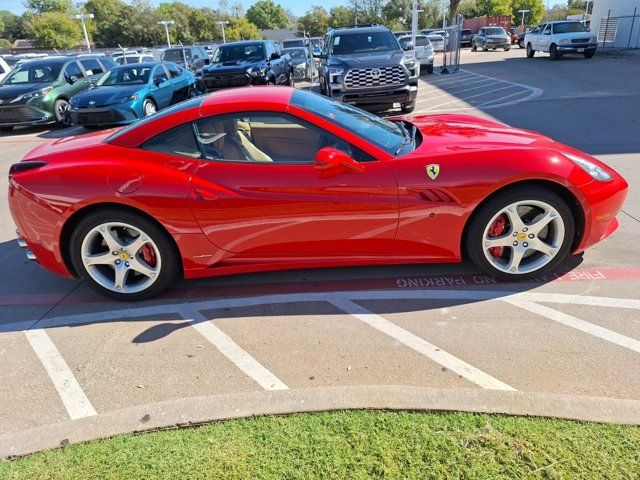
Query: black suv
point(193, 58)
point(251, 62)
point(366, 66)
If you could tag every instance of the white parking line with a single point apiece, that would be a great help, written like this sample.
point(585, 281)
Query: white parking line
point(230, 349)
point(420, 345)
point(486, 83)
point(501, 99)
point(72, 396)
point(573, 322)
point(464, 99)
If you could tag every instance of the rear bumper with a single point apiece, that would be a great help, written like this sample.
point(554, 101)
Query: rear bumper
point(20, 115)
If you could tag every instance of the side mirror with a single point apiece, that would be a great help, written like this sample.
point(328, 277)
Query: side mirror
point(71, 79)
point(207, 61)
point(408, 46)
point(157, 81)
point(317, 53)
point(331, 159)
point(275, 56)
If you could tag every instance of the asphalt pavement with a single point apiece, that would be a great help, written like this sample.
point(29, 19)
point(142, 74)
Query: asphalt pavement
point(77, 366)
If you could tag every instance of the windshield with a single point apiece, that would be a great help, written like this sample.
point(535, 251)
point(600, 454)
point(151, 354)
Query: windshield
point(175, 55)
point(568, 27)
point(293, 43)
point(126, 76)
point(388, 136)
point(296, 53)
point(350, 43)
point(31, 72)
point(494, 31)
point(239, 53)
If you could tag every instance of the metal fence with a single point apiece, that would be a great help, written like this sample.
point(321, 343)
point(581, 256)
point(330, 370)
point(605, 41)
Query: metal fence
point(619, 34)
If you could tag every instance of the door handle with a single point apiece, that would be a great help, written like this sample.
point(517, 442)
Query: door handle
point(204, 196)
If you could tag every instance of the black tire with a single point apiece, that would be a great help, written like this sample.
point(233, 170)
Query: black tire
point(430, 68)
point(530, 51)
point(61, 108)
point(472, 243)
point(6, 129)
point(589, 53)
point(408, 107)
point(146, 102)
point(521, 43)
point(506, 49)
point(169, 255)
point(553, 52)
point(291, 81)
point(474, 47)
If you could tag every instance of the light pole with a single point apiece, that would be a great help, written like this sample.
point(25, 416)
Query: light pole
point(523, 12)
point(166, 24)
point(222, 24)
point(82, 17)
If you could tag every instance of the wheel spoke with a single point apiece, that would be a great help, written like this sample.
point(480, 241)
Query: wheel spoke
point(137, 243)
point(141, 266)
point(541, 221)
point(111, 238)
point(493, 242)
point(99, 259)
point(514, 218)
point(121, 276)
point(543, 247)
point(516, 258)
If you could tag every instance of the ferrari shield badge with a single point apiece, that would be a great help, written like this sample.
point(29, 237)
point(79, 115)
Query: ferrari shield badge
point(433, 171)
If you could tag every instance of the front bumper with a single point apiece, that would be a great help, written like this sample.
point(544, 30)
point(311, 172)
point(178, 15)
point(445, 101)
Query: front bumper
point(19, 115)
point(113, 115)
point(498, 43)
point(218, 81)
point(577, 48)
point(378, 96)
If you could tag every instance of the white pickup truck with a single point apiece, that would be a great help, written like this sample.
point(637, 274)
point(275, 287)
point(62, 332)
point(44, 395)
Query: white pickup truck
point(559, 38)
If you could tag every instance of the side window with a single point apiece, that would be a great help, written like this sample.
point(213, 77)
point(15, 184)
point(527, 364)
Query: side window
point(266, 138)
point(173, 70)
point(107, 63)
point(92, 66)
point(178, 141)
point(160, 75)
point(547, 30)
point(73, 72)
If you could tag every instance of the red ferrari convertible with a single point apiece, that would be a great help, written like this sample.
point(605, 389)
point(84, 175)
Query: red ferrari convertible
point(270, 178)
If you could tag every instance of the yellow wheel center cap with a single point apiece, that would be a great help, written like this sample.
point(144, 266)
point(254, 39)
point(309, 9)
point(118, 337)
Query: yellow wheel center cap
point(124, 256)
point(522, 236)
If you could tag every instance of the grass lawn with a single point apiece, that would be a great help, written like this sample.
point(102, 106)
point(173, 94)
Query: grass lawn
point(353, 445)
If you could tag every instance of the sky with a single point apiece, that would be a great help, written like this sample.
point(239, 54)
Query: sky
point(298, 7)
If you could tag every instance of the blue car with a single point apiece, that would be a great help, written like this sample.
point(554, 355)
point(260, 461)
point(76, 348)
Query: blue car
point(130, 92)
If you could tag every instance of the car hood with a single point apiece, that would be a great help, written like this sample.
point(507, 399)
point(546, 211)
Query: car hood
point(573, 35)
point(498, 37)
point(9, 92)
point(107, 95)
point(454, 133)
point(369, 59)
point(224, 67)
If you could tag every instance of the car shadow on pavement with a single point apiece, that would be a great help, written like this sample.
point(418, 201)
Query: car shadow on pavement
point(66, 303)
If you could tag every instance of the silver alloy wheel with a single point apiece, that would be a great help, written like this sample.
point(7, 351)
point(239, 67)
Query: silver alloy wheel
point(149, 108)
point(62, 110)
point(113, 255)
point(534, 234)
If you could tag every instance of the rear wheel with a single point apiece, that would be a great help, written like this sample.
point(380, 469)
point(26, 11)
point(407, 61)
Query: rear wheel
point(123, 255)
point(520, 233)
point(530, 51)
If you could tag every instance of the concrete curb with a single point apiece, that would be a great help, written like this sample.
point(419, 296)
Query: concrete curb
point(199, 410)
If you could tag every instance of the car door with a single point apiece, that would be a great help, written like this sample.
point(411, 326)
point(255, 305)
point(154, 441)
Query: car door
point(258, 192)
point(92, 69)
point(162, 89)
point(545, 38)
point(75, 78)
point(179, 82)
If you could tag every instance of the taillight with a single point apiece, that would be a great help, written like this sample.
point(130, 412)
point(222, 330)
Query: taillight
point(24, 166)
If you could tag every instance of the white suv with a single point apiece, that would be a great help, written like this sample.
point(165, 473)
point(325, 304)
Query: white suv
point(559, 38)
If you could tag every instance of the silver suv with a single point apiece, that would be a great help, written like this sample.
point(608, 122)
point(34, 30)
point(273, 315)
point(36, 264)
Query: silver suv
point(365, 66)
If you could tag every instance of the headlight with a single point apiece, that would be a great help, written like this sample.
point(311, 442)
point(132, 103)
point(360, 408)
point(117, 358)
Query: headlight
point(129, 98)
point(36, 94)
point(565, 41)
point(410, 63)
point(256, 72)
point(591, 168)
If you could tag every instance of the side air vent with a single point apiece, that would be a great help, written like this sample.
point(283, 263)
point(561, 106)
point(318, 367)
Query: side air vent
point(436, 195)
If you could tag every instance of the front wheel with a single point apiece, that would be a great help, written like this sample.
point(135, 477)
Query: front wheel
point(408, 107)
point(520, 233)
point(430, 68)
point(290, 81)
point(553, 52)
point(63, 112)
point(521, 43)
point(149, 108)
point(589, 53)
point(530, 51)
point(123, 255)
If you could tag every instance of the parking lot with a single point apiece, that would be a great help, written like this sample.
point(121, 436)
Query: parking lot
point(440, 337)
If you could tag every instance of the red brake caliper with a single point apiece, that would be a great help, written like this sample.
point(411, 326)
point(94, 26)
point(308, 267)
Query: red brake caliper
point(496, 230)
point(148, 255)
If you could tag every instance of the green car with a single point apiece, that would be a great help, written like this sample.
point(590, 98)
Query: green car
point(38, 91)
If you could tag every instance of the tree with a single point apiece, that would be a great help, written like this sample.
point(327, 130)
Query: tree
point(341, 17)
point(315, 22)
point(55, 30)
point(203, 24)
point(14, 26)
point(557, 12)
point(179, 13)
point(368, 11)
point(107, 15)
point(535, 7)
point(137, 24)
point(241, 29)
point(493, 8)
point(266, 14)
point(44, 6)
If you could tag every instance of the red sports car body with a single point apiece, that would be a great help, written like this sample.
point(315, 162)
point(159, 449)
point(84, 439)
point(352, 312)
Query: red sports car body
point(271, 178)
